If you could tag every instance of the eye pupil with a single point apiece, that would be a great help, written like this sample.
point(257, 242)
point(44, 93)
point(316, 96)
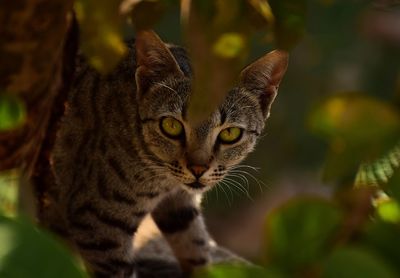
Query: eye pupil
point(171, 127)
point(230, 135)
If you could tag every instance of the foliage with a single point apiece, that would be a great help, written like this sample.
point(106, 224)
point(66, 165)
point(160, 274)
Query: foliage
point(352, 234)
point(12, 112)
point(28, 252)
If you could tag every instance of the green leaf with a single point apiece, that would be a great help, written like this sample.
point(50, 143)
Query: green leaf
point(229, 45)
point(299, 233)
point(101, 33)
point(389, 211)
point(25, 251)
point(264, 9)
point(353, 262)
point(235, 271)
point(8, 192)
point(359, 129)
point(380, 171)
point(12, 112)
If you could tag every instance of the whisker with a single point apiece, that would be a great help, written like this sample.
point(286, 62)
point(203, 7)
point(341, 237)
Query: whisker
point(239, 186)
point(244, 166)
point(221, 184)
point(259, 182)
point(240, 176)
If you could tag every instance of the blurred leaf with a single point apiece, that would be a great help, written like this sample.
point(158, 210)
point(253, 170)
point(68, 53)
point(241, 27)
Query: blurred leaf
point(359, 129)
point(263, 8)
point(8, 192)
point(12, 112)
point(380, 171)
point(290, 21)
point(101, 35)
point(229, 45)
point(299, 233)
point(389, 211)
point(235, 271)
point(27, 252)
point(354, 262)
point(383, 239)
point(355, 118)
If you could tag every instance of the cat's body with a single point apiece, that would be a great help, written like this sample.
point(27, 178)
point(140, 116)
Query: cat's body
point(125, 149)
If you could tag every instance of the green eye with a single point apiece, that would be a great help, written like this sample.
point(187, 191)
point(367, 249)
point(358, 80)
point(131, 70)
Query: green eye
point(230, 135)
point(171, 127)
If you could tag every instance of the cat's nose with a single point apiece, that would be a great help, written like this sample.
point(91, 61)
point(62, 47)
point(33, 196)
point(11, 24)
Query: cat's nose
point(197, 170)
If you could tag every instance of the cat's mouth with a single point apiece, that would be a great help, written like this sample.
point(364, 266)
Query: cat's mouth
point(196, 185)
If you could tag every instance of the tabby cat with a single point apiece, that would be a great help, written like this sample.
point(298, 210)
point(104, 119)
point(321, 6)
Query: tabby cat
point(125, 149)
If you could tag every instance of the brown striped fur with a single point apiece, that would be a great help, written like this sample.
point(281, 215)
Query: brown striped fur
point(113, 165)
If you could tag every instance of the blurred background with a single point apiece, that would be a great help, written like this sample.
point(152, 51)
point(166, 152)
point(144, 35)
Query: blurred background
point(334, 125)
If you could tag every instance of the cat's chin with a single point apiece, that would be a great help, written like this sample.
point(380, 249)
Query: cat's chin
point(196, 185)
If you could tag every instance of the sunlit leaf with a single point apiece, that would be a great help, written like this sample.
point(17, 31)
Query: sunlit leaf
point(101, 34)
point(379, 171)
point(389, 211)
point(8, 193)
point(263, 7)
point(12, 112)
point(353, 262)
point(236, 271)
point(229, 45)
point(305, 225)
point(27, 252)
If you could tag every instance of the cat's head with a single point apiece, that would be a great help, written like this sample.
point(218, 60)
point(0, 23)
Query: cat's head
point(200, 156)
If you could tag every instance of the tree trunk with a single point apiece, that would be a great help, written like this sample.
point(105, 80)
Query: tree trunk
point(36, 61)
point(32, 34)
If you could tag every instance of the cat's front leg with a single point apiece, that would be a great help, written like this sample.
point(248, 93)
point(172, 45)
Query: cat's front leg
point(104, 239)
point(179, 218)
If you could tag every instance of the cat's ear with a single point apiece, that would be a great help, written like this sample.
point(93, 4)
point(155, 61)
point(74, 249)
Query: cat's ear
point(155, 62)
point(263, 77)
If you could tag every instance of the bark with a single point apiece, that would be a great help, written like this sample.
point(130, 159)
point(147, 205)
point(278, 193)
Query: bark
point(32, 33)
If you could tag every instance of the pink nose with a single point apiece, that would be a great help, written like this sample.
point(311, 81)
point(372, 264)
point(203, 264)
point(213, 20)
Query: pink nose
point(197, 170)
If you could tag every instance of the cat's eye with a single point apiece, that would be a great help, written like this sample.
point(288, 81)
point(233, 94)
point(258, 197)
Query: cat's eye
point(230, 135)
point(171, 127)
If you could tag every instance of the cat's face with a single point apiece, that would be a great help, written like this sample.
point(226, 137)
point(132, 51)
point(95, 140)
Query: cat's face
point(199, 156)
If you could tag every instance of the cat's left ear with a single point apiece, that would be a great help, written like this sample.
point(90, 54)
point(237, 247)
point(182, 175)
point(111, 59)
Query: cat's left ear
point(155, 62)
point(263, 77)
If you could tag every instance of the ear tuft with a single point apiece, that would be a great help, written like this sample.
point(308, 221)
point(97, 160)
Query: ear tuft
point(155, 61)
point(263, 77)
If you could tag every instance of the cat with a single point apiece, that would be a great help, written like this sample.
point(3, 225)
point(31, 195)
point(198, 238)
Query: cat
point(125, 149)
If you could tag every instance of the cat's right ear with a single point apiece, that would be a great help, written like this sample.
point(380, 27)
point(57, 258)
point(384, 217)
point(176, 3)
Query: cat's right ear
point(155, 63)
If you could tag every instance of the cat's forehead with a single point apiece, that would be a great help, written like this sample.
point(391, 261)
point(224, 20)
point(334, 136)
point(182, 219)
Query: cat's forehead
point(169, 97)
point(239, 108)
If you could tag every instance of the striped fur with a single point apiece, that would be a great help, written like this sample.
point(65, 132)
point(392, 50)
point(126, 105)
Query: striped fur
point(113, 165)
